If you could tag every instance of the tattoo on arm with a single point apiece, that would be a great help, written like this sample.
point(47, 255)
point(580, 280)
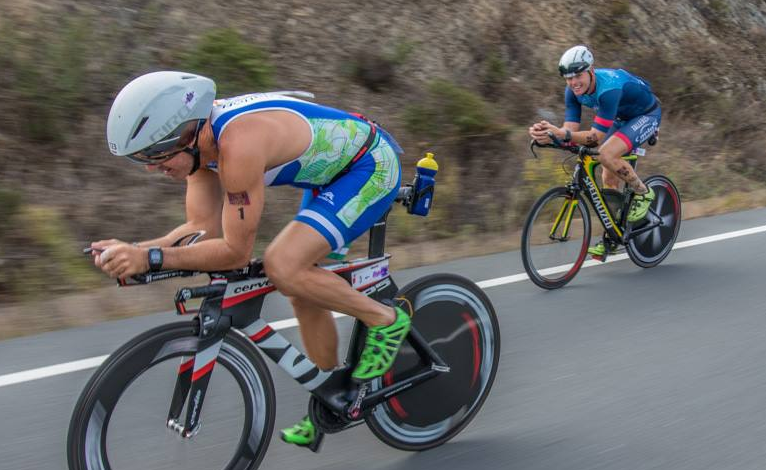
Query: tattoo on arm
point(241, 200)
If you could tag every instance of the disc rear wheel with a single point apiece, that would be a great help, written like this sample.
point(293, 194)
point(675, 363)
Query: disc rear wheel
point(458, 321)
point(647, 249)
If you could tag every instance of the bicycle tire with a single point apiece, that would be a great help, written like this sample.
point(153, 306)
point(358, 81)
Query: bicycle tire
point(89, 425)
point(556, 275)
point(652, 247)
point(457, 319)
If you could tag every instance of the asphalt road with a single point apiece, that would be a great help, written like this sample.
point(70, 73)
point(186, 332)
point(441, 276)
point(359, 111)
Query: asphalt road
point(624, 368)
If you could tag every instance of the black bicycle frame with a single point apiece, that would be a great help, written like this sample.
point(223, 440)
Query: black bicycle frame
point(234, 300)
point(583, 180)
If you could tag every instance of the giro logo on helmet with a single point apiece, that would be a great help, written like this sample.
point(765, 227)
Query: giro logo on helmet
point(151, 107)
point(171, 124)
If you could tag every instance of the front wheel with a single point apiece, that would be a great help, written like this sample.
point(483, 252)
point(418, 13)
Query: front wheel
point(120, 420)
point(555, 239)
point(648, 248)
point(458, 321)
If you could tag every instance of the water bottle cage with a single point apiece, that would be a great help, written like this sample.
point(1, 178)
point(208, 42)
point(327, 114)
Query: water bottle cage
point(417, 196)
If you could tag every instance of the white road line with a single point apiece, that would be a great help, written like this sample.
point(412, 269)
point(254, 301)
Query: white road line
point(93, 362)
point(565, 267)
point(89, 363)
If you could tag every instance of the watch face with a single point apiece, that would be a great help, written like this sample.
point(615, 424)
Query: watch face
point(155, 258)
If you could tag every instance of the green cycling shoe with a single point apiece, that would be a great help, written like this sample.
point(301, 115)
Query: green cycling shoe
point(381, 346)
point(640, 206)
point(599, 251)
point(303, 433)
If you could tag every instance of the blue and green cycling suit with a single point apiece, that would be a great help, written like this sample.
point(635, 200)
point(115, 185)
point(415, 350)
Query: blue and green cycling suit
point(350, 196)
point(625, 107)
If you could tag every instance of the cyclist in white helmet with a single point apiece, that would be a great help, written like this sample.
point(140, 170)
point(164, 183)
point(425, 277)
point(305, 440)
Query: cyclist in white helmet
point(627, 115)
point(227, 152)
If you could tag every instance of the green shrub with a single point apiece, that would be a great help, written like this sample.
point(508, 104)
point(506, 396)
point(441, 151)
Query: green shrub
point(495, 71)
point(373, 70)
point(612, 27)
point(236, 65)
point(10, 202)
point(47, 77)
point(45, 227)
point(451, 110)
point(376, 69)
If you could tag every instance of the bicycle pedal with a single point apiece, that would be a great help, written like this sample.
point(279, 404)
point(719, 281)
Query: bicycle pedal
point(316, 443)
point(601, 258)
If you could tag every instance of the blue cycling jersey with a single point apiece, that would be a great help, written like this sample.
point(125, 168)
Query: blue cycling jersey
point(619, 95)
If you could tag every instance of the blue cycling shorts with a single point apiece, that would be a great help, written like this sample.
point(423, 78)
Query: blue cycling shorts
point(638, 130)
point(346, 208)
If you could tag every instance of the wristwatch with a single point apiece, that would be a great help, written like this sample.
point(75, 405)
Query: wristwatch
point(155, 258)
point(567, 135)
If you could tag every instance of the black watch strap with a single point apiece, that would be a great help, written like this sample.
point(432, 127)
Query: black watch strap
point(567, 135)
point(155, 258)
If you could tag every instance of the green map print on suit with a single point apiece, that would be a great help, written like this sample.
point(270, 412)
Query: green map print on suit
point(382, 181)
point(335, 144)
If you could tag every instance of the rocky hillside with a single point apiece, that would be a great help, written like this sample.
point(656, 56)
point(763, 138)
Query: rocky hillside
point(462, 79)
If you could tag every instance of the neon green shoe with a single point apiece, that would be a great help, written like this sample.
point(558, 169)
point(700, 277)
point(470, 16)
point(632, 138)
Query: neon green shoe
point(598, 250)
point(640, 206)
point(302, 433)
point(381, 346)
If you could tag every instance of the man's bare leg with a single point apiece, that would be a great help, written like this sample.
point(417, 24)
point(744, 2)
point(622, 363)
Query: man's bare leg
point(290, 262)
point(319, 334)
point(611, 158)
point(610, 180)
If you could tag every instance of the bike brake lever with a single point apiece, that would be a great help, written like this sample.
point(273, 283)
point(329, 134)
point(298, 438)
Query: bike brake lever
point(553, 138)
point(532, 144)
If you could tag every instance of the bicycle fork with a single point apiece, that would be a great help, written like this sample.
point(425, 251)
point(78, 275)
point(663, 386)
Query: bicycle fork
point(193, 378)
point(565, 214)
point(194, 372)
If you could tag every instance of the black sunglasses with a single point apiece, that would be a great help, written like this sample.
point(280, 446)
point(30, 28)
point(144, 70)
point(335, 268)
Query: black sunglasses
point(165, 149)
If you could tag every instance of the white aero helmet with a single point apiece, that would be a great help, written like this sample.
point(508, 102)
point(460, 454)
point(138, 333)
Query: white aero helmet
point(149, 114)
point(575, 60)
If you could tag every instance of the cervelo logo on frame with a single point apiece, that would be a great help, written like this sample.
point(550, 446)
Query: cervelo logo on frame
point(370, 274)
point(243, 287)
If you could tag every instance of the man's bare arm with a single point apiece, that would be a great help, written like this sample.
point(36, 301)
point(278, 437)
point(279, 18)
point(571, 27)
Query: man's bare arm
point(203, 210)
point(241, 170)
point(590, 138)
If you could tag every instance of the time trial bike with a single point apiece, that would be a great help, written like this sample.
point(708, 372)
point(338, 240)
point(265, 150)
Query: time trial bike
point(143, 407)
point(557, 232)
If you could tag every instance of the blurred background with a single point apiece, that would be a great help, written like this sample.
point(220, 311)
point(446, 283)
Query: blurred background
point(461, 79)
